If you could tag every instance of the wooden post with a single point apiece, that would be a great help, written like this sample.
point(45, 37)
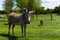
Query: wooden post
point(51, 16)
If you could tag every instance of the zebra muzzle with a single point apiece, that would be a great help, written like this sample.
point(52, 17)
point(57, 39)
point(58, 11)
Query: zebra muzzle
point(28, 22)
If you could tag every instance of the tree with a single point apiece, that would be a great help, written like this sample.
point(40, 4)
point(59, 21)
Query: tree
point(8, 5)
point(22, 4)
point(32, 4)
point(57, 10)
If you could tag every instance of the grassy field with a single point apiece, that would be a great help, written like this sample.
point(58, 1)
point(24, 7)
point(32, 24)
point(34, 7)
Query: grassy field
point(49, 31)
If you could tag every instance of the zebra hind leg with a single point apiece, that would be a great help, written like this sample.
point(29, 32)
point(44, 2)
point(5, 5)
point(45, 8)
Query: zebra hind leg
point(9, 29)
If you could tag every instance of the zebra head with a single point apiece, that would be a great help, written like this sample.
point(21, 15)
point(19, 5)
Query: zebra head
point(28, 15)
point(27, 18)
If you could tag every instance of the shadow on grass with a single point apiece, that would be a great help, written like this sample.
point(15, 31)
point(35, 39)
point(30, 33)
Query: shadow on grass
point(10, 37)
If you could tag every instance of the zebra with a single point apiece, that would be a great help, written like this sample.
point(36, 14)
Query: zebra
point(21, 19)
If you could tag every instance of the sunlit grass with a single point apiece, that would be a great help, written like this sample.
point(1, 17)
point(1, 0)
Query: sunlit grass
point(49, 31)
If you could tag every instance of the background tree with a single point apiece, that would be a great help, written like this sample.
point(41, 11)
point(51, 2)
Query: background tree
point(8, 5)
point(22, 4)
point(57, 10)
point(32, 4)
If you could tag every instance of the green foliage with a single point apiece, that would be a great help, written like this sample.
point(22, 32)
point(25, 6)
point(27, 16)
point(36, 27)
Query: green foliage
point(57, 10)
point(8, 5)
point(2, 12)
point(48, 10)
point(32, 4)
point(37, 4)
point(22, 3)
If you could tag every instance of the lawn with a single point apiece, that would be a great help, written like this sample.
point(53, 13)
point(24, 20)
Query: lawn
point(49, 31)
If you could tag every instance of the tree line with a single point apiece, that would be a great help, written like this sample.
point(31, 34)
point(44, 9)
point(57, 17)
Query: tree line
point(18, 5)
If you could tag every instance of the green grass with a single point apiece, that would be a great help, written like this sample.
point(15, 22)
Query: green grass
point(49, 31)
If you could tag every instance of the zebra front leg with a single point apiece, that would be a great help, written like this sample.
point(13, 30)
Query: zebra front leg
point(9, 29)
point(22, 29)
point(25, 30)
point(13, 29)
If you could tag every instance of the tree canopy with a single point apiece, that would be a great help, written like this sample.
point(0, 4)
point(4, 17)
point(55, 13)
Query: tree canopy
point(32, 4)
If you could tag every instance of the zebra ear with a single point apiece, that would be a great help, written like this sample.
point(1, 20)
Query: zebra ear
point(31, 11)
